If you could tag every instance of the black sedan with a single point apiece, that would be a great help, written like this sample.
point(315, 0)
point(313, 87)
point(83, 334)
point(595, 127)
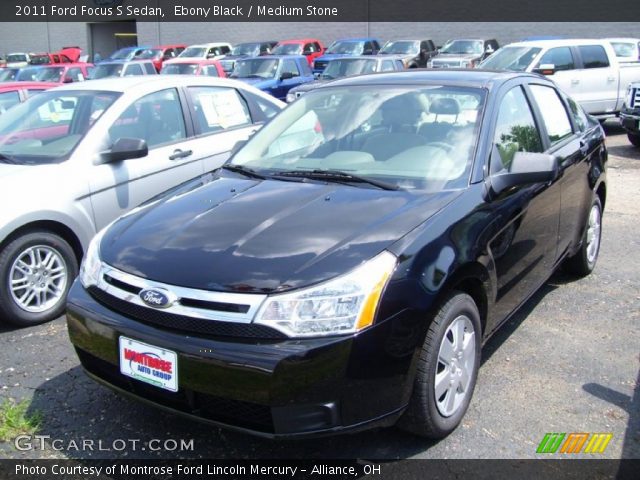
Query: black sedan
point(344, 269)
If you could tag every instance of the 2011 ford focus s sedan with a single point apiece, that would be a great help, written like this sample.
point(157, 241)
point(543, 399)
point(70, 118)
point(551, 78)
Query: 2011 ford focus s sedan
point(345, 267)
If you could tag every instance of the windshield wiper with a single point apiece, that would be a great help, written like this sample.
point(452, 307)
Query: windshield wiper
point(241, 169)
point(338, 176)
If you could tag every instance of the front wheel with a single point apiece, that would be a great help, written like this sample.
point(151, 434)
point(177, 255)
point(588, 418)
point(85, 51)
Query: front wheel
point(447, 370)
point(36, 270)
point(634, 138)
point(584, 260)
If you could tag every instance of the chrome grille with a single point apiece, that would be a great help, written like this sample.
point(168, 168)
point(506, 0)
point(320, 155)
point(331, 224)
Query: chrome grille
point(635, 97)
point(190, 302)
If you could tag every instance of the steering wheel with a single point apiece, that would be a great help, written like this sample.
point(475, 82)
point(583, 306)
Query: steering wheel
point(441, 145)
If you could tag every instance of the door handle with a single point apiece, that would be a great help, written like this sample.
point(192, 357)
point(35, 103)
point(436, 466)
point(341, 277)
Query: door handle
point(575, 81)
point(611, 79)
point(180, 154)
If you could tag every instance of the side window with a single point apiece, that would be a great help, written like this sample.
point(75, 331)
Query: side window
point(268, 109)
point(387, 66)
point(224, 50)
point(149, 68)
point(399, 65)
point(516, 130)
point(8, 100)
point(75, 74)
point(290, 66)
point(554, 115)
point(376, 45)
point(133, 69)
point(368, 48)
point(593, 56)
point(213, 52)
point(305, 69)
point(308, 47)
point(210, 71)
point(32, 92)
point(170, 53)
point(560, 57)
point(179, 50)
point(579, 117)
point(424, 45)
point(156, 118)
point(218, 108)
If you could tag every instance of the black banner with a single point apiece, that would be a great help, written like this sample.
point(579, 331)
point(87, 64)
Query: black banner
point(565, 469)
point(320, 10)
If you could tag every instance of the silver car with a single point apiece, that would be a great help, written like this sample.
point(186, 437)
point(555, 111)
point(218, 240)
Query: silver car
point(74, 158)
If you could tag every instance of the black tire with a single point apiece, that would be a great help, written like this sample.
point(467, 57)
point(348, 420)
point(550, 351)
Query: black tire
point(580, 264)
point(10, 310)
point(634, 139)
point(422, 416)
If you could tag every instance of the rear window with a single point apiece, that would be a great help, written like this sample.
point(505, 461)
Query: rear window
point(593, 56)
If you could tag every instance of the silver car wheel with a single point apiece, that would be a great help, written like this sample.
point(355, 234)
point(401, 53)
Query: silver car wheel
point(38, 278)
point(593, 234)
point(456, 363)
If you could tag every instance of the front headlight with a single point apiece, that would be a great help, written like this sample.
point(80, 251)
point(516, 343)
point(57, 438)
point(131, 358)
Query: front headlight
point(91, 263)
point(346, 304)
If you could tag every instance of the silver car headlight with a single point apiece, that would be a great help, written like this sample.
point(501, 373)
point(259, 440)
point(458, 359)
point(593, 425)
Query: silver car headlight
point(91, 263)
point(346, 304)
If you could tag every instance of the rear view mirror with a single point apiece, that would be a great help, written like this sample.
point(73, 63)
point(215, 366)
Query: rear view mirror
point(125, 149)
point(545, 69)
point(525, 168)
point(286, 75)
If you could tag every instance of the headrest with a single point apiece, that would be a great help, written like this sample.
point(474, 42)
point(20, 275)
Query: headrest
point(444, 106)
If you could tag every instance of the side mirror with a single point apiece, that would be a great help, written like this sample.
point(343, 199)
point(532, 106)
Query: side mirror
point(307, 52)
point(125, 149)
point(545, 69)
point(368, 51)
point(489, 50)
point(286, 75)
point(525, 168)
point(67, 79)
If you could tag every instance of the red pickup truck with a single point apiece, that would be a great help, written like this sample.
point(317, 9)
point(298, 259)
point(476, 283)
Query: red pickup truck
point(311, 48)
point(65, 55)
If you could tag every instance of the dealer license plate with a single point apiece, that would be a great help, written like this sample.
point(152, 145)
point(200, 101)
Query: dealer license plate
point(149, 364)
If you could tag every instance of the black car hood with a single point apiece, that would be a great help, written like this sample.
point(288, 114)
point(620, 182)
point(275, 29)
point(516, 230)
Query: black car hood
point(242, 235)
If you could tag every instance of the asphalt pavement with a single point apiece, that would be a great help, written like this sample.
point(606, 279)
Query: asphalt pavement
point(568, 361)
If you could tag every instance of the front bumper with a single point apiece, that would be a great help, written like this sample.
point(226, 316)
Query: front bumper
point(630, 121)
point(272, 388)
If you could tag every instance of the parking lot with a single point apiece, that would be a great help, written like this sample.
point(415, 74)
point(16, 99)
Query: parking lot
point(567, 362)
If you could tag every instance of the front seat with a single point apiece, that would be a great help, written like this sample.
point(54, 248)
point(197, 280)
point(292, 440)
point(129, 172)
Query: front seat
point(400, 117)
point(437, 131)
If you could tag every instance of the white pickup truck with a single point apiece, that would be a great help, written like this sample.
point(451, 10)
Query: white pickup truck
point(587, 70)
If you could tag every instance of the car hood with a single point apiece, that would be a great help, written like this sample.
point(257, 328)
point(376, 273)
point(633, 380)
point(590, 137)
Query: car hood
point(242, 235)
point(305, 87)
point(258, 82)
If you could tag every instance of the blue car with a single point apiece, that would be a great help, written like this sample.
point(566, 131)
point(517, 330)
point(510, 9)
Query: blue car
point(346, 47)
point(274, 74)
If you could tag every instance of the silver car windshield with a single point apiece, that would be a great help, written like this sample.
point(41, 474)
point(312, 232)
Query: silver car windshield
point(464, 47)
point(47, 127)
point(106, 70)
point(193, 52)
point(348, 67)
point(516, 59)
point(180, 69)
point(263, 67)
point(413, 138)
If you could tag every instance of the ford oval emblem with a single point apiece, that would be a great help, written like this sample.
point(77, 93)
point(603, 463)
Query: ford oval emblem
point(156, 298)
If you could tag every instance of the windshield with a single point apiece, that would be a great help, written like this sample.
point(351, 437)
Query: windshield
point(179, 69)
point(516, 59)
point(346, 48)
point(122, 54)
point(249, 49)
point(193, 52)
point(41, 74)
point(8, 74)
point(463, 47)
point(150, 53)
point(39, 60)
point(19, 57)
point(413, 137)
point(287, 49)
point(255, 68)
point(48, 126)
point(105, 70)
point(401, 47)
point(348, 67)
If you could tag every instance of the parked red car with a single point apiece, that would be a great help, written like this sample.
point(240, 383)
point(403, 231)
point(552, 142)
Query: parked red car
point(58, 74)
point(65, 55)
point(193, 66)
point(158, 55)
point(311, 48)
point(12, 93)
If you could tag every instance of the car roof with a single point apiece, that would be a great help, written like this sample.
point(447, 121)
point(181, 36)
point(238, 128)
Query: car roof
point(121, 60)
point(266, 57)
point(356, 39)
point(209, 45)
point(198, 60)
point(455, 77)
point(10, 86)
point(623, 39)
point(557, 42)
point(300, 40)
point(257, 41)
point(364, 57)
